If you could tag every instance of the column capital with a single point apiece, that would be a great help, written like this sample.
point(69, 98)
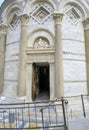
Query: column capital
point(58, 17)
point(86, 23)
point(24, 19)
point(3, 28)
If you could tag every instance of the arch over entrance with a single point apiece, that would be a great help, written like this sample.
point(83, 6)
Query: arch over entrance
point(40, 66)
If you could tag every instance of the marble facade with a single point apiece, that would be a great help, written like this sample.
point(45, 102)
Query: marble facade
point(48, 34)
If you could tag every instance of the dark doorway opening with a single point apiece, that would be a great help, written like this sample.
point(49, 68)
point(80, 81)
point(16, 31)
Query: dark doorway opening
point(44, 79)
point(41, 83)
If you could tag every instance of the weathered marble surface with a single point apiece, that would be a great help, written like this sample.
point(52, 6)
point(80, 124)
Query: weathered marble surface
point(41, 24)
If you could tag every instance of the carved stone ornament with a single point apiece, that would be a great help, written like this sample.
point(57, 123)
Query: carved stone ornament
point(73, 14)
point(13, 19)
point(40, 14)
point(58, 17)
point(41, 43)
point(24, 19)
point(86, 23)
point(3, 29)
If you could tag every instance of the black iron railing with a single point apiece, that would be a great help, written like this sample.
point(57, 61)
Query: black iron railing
point(43, 115)
point(78, 106)
point(35, 115)
point(58, 123)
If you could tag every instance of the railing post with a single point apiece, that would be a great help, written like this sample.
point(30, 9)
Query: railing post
point(83, 106)
point(42, 118)
point(4, 119)
point(18, 121)
point(64, 115)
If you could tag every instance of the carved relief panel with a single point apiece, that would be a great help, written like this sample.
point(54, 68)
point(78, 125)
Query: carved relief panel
point(72, 14)
point(41, 13)
point(41, 43)
point(14, 19)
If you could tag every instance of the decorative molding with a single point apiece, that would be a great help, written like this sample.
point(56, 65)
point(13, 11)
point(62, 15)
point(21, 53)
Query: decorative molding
point(11, 43)
point(40, 32)
point(78, 60)
point(11, 61)
point(11, 80)
point(46, 57)
point(75, 81)
point(69, 39)
point(73, 14)
point(40, 51)
point(41, 43)
point(58, 17)
point(86, 23)
point(71, 53)
point(41, 13)
point(24, 19)
point(3, 29)
point(14, 20)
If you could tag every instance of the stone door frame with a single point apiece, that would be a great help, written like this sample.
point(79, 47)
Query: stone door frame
point(40, 57)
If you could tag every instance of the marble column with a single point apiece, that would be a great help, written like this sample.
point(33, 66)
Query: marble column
point(86, 32)
point(59, 74)
point(3, 35)
point(22, 59)
point(52, 84)
point(29, 82)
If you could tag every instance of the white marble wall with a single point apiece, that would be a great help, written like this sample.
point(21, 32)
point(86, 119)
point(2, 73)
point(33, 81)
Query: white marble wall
point(12, 62)
point(74, 59)
point(75, 79)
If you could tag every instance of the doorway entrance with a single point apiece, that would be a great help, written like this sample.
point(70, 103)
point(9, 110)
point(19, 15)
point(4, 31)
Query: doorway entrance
point(40, 82)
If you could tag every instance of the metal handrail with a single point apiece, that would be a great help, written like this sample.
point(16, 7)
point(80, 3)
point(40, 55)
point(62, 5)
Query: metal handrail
point(62, 100)
point(52, 101)
point(20, 109)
